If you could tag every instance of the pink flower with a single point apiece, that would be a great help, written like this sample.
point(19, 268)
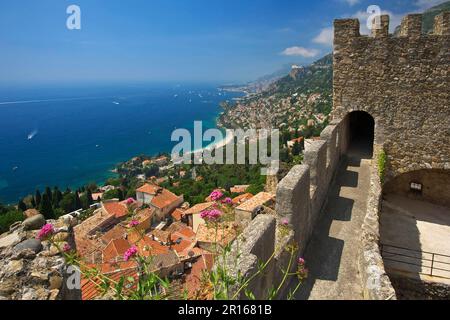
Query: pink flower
point(285, 222)
point(67, 247)
point(204, 214)
point(130, 253)
point(303, 274)
point(134, 223)
point(211, 214)
point(215, 214)
point(216, 195)
point(227, 201)
point(130, 201)
point(301, 261)
point(46, 231)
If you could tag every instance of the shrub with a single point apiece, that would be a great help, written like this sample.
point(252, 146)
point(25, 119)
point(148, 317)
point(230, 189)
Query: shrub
point(382, 159)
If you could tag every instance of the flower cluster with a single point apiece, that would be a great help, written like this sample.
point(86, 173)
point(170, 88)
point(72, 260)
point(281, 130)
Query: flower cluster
point(46, 232)
point(216, 195)
point(228, 201)
point(285, 222)
point(302, 272)
point(211, 214)
point(67, 248)
point(130, 253)
point(134, 223)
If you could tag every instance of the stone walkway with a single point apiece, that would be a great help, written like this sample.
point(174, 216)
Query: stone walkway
point(332, 253)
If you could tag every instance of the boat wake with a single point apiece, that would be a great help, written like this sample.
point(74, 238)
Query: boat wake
point(32, 134)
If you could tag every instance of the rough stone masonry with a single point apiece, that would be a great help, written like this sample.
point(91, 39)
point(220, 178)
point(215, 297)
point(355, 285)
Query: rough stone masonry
point(403, 83)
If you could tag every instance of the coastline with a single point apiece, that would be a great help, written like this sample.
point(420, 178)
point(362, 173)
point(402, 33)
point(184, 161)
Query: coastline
point(102, 154)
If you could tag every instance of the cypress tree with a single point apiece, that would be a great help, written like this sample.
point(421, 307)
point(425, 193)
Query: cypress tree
point(48, 192)
point(46, 207)
point(89, 197)
point(33, 202)
point(78, 204)
point(22, 206)
point(120, 194)
point(38, 198)
point(57, 197)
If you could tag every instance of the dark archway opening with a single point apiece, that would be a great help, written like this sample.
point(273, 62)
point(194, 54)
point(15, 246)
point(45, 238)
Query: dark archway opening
point(362, 132)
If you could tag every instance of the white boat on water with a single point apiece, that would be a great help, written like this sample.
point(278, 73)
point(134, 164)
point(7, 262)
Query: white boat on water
point(32, 134)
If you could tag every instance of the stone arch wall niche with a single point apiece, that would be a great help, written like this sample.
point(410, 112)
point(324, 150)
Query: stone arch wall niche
point(436, 185)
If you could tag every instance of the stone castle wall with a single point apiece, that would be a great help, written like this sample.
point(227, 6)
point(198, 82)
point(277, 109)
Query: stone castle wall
point(301, 195)
point(403, 83)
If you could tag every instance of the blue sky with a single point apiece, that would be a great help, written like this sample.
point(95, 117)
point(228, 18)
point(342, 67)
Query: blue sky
point(170, 40)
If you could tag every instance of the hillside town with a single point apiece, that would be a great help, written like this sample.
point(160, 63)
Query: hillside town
point(164, 228)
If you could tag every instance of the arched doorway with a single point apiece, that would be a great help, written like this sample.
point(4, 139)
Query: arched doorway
point(362, 132)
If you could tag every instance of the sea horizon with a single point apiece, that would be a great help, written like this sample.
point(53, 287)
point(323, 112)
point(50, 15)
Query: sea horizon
point(69, 136)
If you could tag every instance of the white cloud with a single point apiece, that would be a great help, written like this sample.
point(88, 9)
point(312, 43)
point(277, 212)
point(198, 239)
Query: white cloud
point(325, 37)
point(300, 51)
point(426, 4)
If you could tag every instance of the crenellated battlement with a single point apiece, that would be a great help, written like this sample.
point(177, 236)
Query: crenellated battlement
point(381, 29)
point(346, 30)
point(442, 24)
point(402, 82)
point(411, 26)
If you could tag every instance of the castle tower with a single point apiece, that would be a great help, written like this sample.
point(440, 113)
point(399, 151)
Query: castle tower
point(403, 83)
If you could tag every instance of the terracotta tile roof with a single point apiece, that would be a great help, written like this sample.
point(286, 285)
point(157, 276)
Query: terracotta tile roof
point(239, 189)
point(163, 236)
point(177, 214)
point(194, 277)
point(143, 214)
point(242, 198)
point(199, 208)
point(186, 232)
point(165, 199)
point(164, 260)
point(180, 243)
point(90, 287)
point(135, 236)
point(224, 234)
point(115, 209)
point(84, 234)
point(148, 247)
point(115, 250)
point(176, 226)
point(118, 232)
point(193, 252)
point(149, 189)
point(260, 199)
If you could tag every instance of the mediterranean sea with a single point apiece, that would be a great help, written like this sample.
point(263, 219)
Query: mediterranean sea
point(68, 136)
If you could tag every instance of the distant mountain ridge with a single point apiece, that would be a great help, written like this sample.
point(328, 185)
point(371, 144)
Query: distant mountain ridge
point(260, 84)
point(303, 91)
